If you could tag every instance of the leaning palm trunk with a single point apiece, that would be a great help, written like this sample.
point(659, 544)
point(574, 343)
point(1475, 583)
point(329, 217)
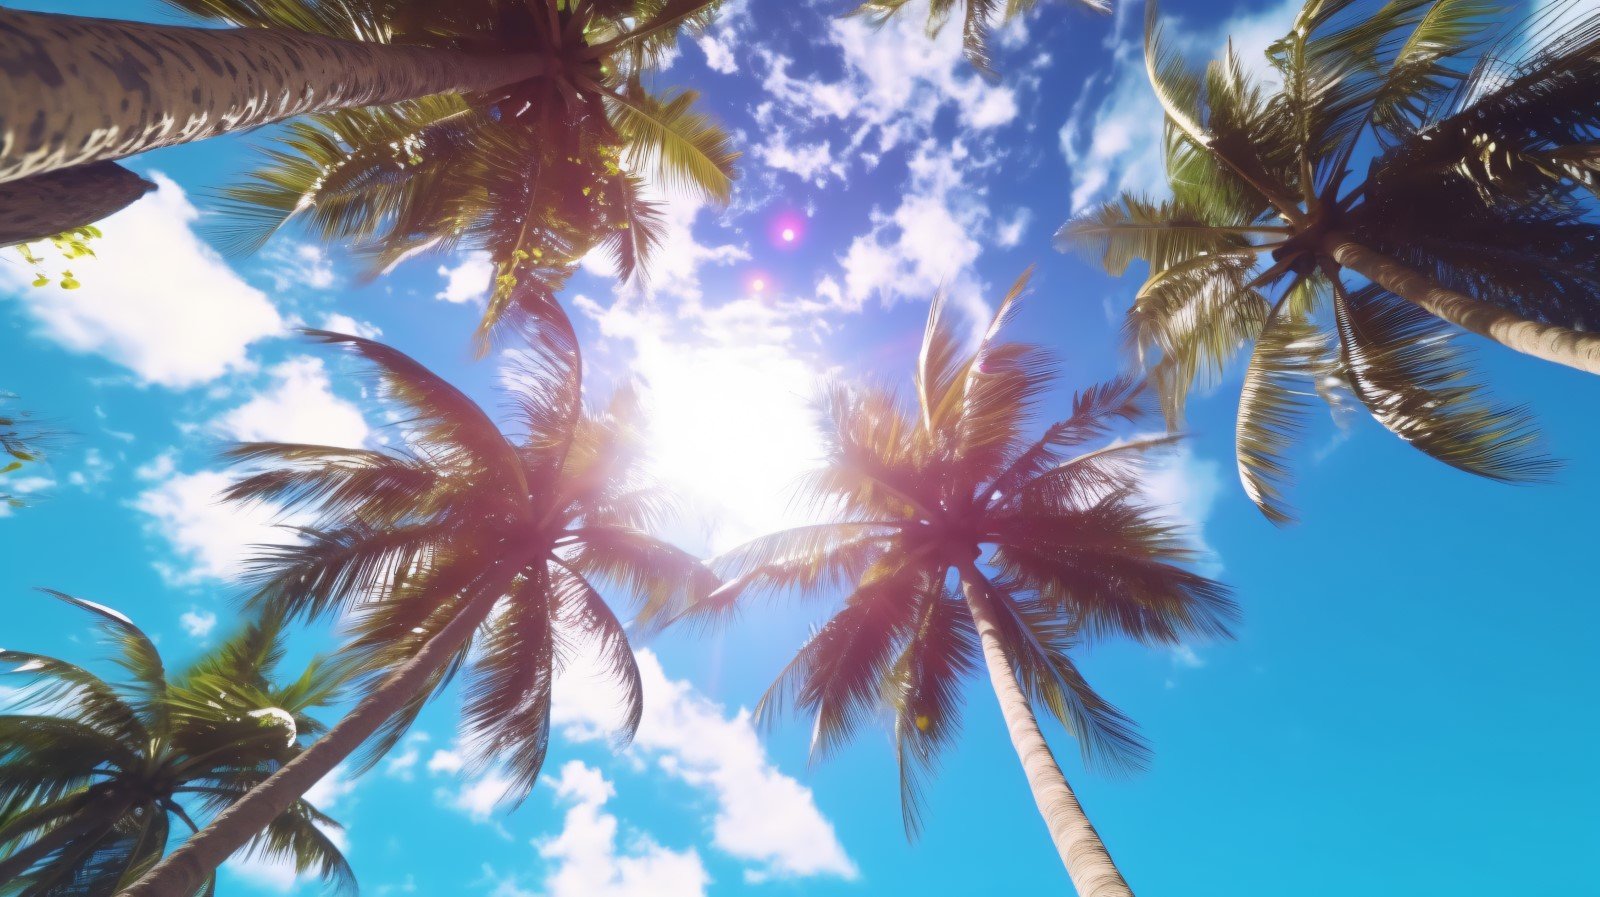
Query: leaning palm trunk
point(57, 201)
point(184, 870)
point(1573, 348)
point(76, 90)
point(1088, 863)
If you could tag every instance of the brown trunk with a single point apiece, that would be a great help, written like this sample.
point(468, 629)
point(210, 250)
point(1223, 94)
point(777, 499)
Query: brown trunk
point(47, 204)
point(75, 90)
point(1088, 862)
point(1573, 348)
point(185, 869)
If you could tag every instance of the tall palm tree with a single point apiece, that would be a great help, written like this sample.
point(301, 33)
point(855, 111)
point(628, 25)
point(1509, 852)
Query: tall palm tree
point(83, 92)
point(977, 17)
point(466, 548)
point(920, 494)
point(94, 774)
point(1474, 212)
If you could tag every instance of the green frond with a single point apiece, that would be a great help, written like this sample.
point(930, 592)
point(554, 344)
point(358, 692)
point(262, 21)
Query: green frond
point(1164, 234)
point(136, 653)
point(507, 693)
point(685, 148)
point(924, 690)
point(1398, 361)
point(1290, 356)
point(586, 619)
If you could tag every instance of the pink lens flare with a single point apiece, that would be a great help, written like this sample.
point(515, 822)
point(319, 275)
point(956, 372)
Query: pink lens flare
point(759, 283)
point(787, 230)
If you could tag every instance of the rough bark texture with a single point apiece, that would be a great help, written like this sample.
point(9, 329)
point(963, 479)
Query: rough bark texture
point(47, 204)
point(1573, 348)
point(76, 90)
point(184, 870)
point(1088, 862)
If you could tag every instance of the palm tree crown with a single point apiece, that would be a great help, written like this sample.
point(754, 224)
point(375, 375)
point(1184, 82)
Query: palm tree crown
point(405, 540)
point(918, 493)
point(1474, 209)
point(92, 775)
point(537, 174)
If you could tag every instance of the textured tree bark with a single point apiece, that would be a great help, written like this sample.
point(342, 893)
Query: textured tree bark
point(1088, 863)
point(184, 870)
point(1573, 348)
point(47, 204)
point(75, 90)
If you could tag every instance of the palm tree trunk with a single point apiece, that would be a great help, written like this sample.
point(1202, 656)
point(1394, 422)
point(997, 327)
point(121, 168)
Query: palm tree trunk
point(75, 90)
point(1088, 863)
point(1573, 348)
point(48, 204)
point(185, 869)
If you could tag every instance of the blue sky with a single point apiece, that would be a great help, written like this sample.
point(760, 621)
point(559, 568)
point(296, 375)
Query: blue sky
point(1408, 708)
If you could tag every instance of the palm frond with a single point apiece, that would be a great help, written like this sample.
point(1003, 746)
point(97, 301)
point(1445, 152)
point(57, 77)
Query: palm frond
point(1399, 362)
point(1291, 355)
point(685, 148)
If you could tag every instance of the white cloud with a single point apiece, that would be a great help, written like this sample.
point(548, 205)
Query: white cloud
point(331, 790)
point(210, 538)
point(1008, 233)
point(293, 265)
point(727, 34)
point(763, 816)
point(299, 407)
point(158, 468)
point(1187, 487)
point(814, 162)
point(587, 860)
point(926, 244)
point(477, 797)
point(1185, 656)
point(96, 470)
point(894, 84)
point(1115, 144)
point(446, 761)
point(403, 765)
point(156, 299)
point(468, 280)
point(340, 323)
point(198, 623)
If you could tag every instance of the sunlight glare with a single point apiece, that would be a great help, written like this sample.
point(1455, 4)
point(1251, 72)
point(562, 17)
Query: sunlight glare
point(731, 429)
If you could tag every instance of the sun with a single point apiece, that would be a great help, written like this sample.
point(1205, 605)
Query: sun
point(731, 429)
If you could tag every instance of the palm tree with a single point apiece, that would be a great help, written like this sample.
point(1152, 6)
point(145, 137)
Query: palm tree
point(976, 18)
point(469, 546)
point(88, 91)
point(537, 179)
point(92, 778)
point(1472, 213)
point(919, 494)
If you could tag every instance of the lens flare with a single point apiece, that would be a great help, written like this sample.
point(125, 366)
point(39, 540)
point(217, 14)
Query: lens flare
point(786, 230)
